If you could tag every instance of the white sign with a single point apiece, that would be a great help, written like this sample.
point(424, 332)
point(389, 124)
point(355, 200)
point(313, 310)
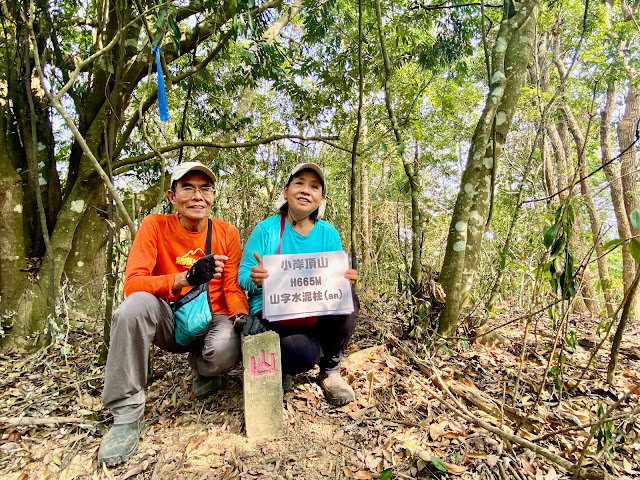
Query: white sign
point(306, 285)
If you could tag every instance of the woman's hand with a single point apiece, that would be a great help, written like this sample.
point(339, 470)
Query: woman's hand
point(258, 272)
point(352, 275)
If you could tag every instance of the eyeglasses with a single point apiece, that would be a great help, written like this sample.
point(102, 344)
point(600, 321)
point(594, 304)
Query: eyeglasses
point(205, 191)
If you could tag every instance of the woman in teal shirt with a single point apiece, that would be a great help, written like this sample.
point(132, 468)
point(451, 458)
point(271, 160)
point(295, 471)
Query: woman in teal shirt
point(305, 342)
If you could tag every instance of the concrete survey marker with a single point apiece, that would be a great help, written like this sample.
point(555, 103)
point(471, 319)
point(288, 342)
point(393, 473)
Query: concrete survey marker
point(263, 407)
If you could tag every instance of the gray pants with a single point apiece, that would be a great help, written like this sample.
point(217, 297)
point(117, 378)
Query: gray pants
point(139, 321)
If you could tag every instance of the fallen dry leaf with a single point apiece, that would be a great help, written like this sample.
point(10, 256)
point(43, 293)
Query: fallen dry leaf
point(456, 469)
point(435, 430)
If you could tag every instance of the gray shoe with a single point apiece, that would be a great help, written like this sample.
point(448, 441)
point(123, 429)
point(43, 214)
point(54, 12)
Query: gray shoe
point(336, 389)
point(204, 387)
point(120, 443)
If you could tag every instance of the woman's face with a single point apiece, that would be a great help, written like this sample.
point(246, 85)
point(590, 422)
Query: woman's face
point(304, 194)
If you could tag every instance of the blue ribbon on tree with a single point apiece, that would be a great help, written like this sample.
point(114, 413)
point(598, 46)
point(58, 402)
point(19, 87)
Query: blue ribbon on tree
point(163, 107)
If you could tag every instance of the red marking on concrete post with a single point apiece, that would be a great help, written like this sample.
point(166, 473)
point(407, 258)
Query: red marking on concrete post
point(263, 368)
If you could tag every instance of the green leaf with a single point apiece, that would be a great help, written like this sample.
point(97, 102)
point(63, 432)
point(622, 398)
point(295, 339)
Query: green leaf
point(384, 148)
point(84, 411)
point(569, 217)
point(613, 243)
point(157, 37)
point(559, 245)
point(439, 464)
point(248, 54)
point(386, 474)
point(634, 249)
point(558, 214)
point(549, 235)
point(271, 460)
point(160, 19)
point(635, 219)
point(65, 350)
point(175, 29)
point(559, 264)
point(401, 148)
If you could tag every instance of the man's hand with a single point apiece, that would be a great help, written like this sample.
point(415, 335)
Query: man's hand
point(207, 267)
point(248, 325)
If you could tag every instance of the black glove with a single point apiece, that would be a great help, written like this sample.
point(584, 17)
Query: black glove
point(248, 325)
point(202, 271)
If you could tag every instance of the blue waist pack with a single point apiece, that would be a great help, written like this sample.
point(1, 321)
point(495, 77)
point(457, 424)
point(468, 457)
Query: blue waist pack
point(192, 312)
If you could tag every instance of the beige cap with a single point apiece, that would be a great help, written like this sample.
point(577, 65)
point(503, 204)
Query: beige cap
point(306, 166)
point(188, 167)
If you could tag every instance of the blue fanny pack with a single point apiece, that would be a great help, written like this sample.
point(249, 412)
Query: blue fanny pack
point(192, 312)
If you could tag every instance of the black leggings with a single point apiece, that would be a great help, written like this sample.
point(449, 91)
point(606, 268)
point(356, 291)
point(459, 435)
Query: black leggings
point(322, 343)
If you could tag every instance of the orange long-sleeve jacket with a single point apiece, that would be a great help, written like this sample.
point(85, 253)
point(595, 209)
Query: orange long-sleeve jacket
point(163, 248)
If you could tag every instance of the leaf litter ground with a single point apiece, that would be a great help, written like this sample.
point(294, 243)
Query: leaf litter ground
point(395, 429)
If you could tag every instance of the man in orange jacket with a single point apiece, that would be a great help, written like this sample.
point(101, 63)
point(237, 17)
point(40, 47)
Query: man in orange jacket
point(166, 260)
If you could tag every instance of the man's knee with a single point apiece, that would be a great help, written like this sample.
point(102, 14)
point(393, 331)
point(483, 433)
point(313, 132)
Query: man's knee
point(221, 355)
point(137, 313)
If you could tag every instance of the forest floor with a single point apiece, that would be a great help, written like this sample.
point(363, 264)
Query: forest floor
point(397, 427)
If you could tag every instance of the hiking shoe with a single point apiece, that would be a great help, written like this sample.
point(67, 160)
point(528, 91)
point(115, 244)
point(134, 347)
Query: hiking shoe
point(120, 443)
point(204, 387)
point(287, 382)
point(336, 389)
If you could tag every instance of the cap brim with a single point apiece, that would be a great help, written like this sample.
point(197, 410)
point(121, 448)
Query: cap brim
point(190, 167)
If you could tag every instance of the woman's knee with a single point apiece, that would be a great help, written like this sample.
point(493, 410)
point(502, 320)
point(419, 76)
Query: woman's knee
point(299, 353)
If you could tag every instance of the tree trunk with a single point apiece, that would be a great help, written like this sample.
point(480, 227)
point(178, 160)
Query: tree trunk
point(356, 173)
point(549, 172)
point(627, 129)
point(86, 264)
point(568, 124)
point(628, 150)
point(612, 173)
point(412, 175)
point(561, 145)
point(365, 201)
point(510, 56)
point(559, 154)
point(596, 228)
point(13, 263)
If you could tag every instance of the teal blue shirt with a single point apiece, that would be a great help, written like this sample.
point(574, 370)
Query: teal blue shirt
point(265, 238)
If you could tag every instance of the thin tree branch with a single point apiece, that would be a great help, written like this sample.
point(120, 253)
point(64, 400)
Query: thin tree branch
point(356, 138)
point(118, 166)
point(17, 421)
point(444, 6)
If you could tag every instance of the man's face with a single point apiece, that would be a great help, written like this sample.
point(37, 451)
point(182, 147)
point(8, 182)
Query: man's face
point(193, 196)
